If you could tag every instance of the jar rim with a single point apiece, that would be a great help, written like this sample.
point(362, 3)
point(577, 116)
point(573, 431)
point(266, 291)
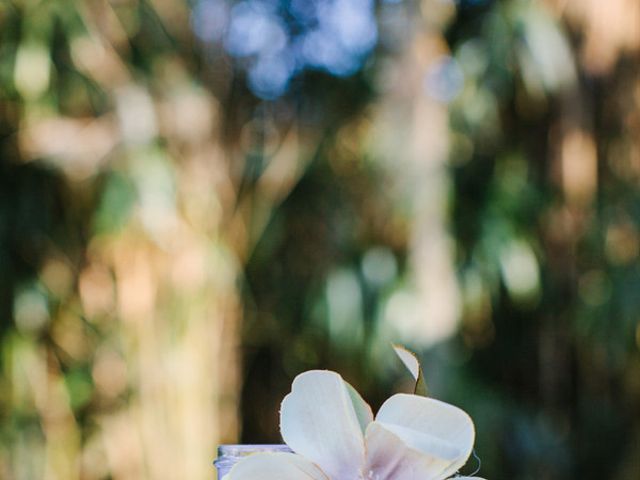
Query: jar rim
point(229, 455)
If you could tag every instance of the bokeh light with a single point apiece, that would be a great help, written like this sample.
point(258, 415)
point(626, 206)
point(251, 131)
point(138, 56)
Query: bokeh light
point(201, 199)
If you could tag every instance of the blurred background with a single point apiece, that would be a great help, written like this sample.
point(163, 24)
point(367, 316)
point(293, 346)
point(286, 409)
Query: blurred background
point(201, 199)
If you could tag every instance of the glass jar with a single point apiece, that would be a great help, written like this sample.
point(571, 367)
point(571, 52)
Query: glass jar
point(228, 455)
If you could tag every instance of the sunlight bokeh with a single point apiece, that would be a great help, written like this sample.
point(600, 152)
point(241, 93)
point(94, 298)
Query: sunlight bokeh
point(201, 199)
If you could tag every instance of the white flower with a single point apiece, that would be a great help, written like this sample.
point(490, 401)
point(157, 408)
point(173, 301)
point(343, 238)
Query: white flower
point(335, 437)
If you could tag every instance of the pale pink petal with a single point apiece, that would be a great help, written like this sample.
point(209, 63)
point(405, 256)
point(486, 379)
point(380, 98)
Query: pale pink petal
point(318, 420)
point(362, 408)
point(389, 458)
point(275, 466)
point(409, 359)
point(424, 442)
point(445, 425)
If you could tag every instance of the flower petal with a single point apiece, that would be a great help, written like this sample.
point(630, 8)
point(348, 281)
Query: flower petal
point(449, 426)
point(275, 466)
point(409, 359)
point(424, 443)
point(362, 408)
point(319, 420)
point(389, 458)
